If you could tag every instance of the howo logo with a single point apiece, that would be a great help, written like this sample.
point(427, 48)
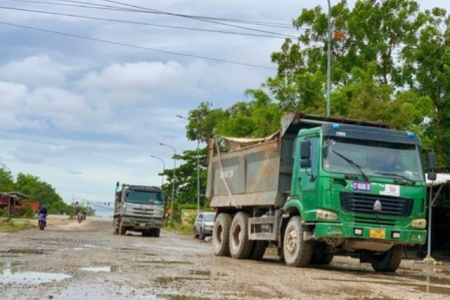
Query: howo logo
point(377, 206)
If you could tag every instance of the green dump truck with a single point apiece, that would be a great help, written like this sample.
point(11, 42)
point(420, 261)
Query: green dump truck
point(138, 208)
point(319, 187)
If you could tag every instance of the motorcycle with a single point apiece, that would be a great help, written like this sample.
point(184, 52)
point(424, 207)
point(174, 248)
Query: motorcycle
point(42, 221)
point(80, 217)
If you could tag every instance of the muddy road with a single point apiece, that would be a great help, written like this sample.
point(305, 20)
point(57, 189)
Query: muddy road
point(86, 261)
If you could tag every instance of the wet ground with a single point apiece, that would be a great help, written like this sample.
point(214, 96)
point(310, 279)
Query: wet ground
point(86, 261)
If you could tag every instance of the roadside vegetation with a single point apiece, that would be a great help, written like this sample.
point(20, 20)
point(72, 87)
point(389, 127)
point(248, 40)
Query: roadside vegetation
point(9, 225)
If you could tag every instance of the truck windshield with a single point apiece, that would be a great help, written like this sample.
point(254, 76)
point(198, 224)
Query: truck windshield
point(373, 158)
point(209, 217)
point(144, 197)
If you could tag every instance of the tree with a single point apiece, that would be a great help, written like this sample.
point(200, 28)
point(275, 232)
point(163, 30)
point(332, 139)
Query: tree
point(6, 179)
point(41, 191)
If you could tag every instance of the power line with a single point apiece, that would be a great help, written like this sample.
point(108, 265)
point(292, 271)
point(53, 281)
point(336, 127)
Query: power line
point(194, 18)
point(137, 23)
point(117, 8)
point(137, 47)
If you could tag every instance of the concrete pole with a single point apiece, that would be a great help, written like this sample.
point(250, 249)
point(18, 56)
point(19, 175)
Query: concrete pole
point(174, 176)
point(329, 60)
point(164, 167)
point(198, 175)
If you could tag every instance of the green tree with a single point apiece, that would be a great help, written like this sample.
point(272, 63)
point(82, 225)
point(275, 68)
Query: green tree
point(6, 179)
point(41, 191)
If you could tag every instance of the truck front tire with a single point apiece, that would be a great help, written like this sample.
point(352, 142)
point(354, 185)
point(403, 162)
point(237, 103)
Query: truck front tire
point(221, 235)
point(388, 261)
point(240, 245)
point(122, 229)
point(297, 252)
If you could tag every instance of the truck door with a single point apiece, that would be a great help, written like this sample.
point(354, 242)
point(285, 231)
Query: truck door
point(307, 177)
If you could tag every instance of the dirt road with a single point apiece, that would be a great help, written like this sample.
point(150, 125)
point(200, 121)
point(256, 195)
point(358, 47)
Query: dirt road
point(86, 261)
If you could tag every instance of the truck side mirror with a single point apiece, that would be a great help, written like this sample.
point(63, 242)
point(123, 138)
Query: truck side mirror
point(431, 166)
point(305, 154)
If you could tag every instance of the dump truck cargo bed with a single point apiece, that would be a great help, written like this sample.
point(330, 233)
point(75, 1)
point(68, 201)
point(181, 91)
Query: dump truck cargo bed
point(258, 171)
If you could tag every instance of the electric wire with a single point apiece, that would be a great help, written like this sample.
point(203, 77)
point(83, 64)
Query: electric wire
point(136, 47)
point(195, 18)
point(137, 23)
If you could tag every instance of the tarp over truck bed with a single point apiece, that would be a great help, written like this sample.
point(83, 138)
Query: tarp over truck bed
point(258, 171)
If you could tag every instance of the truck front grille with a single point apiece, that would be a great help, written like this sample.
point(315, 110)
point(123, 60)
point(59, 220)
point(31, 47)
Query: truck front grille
point(365, 203)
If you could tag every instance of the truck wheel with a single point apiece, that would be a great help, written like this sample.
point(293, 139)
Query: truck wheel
point(258, 250)
point(122, 229)
point(322, 254)
point(297, 252)
point(202, 235)
point(156, 232)
point(221, 235)
point(240, 245)
point(388, 261)
point(115, 228)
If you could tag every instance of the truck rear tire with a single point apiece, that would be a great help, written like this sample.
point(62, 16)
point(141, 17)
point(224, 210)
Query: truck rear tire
point(122, 229)
point(258, 250)
point(297, 252)
point(240, 245)
point(221, 235)
point(388, 261)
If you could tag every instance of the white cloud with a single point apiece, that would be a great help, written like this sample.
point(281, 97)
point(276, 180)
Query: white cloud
point(37, 70)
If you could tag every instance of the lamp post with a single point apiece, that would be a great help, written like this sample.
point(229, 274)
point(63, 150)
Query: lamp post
point(174, 176)
point(164, 167)
point(329, 59)
point(198, 168)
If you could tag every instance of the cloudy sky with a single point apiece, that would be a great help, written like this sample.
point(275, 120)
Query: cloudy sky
point(83, 114)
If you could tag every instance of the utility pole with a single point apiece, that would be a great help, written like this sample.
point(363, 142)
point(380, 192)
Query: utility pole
point(164, 167)
point(174, 176)
point(329, 60)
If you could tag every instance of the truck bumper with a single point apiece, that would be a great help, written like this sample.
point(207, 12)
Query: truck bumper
point(374, 233)
point(139, 223)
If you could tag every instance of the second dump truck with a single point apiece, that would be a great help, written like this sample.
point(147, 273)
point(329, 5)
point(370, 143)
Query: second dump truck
point(318, 188)
point(138, 208)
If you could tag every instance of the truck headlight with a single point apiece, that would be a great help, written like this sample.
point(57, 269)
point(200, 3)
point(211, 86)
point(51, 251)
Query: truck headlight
point(419, 223)
point(326, 215)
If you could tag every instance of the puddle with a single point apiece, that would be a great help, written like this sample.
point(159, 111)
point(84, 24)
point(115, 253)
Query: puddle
point(23, 251)
point(166, 262)
point(97, 269)
point(10, 275)
point(179, 297)
point(168, 280)
point(433, 289)
point(200, 273)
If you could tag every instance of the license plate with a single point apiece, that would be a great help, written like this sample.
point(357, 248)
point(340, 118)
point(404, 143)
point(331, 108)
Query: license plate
point(142, 224)
point(377, 233)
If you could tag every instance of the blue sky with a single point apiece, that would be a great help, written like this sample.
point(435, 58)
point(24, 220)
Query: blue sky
point(82, 115)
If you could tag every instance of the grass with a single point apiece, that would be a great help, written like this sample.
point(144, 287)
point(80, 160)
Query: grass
point(8, 225)
point(178, 228)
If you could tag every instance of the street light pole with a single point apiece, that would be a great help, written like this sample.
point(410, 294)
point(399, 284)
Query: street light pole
point(174, 176)
point(329, 60)
point(198, 168)
point(164, 167)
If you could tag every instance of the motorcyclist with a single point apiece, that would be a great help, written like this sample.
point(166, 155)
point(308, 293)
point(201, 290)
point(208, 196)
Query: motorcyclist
point(43, 210)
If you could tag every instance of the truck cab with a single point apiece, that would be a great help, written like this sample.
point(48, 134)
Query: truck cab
point(138, 208)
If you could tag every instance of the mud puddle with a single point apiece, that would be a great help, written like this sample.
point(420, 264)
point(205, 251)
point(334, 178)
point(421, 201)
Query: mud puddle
point(22, 251)
point(14, 276)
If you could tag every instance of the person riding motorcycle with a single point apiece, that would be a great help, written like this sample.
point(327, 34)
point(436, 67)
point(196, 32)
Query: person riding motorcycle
point(43, 210)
